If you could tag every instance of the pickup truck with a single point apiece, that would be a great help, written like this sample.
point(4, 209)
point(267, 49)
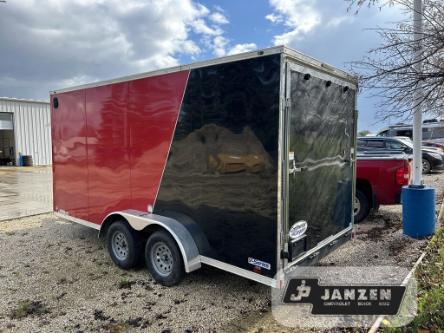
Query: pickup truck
point(379, 180)
point(432, 158)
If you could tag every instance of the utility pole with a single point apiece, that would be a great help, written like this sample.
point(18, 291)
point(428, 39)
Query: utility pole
point(417, 109)
point(418, 201)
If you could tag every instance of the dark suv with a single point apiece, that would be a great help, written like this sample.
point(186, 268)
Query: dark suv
point(432, 159)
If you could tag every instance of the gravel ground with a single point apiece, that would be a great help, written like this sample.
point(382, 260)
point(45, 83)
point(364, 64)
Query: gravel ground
point(64, 273)
point(56, 276)
point(379, 241)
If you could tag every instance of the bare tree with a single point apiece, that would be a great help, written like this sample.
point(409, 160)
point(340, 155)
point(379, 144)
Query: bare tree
point(357, 4)
point(389, 70)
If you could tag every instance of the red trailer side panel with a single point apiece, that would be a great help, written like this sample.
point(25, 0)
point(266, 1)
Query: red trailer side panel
point(108, 153)
point(70, 155)
point(111, 144)
point(153, 108)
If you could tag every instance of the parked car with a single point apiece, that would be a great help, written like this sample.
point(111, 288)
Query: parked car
point(431, 129)
point(436, 144)
point(380, 177)
point(431, 158)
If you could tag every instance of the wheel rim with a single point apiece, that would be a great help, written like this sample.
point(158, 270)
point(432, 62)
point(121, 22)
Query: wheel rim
point(162, 258)
point(119, 245)
point(425, 166)
point(356, 206)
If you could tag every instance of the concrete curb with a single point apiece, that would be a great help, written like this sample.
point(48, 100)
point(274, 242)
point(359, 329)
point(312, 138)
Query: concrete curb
point(377, 324)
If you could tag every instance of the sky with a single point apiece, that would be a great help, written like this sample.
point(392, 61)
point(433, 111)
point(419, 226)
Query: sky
point(48, 45)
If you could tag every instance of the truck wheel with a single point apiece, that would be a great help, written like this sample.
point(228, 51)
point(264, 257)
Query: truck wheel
point(163, 259)
point(426, 166)
point(124, 245)
point(361, 207)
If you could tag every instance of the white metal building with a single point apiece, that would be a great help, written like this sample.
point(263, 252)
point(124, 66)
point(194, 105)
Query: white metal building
point(25, 128)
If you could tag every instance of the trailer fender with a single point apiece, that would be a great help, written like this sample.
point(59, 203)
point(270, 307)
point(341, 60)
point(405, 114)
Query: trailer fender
point(139, 220)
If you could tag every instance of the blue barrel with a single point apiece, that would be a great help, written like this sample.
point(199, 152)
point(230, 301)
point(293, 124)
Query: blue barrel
point(418, 211)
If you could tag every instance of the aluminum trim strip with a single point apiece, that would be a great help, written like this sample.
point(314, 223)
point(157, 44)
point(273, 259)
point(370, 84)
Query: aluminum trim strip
point(239, 271)
point(286, 140)
point(281, 160)
point(77, 220)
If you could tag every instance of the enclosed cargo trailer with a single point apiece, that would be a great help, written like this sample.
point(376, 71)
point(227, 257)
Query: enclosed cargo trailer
point(245, 163)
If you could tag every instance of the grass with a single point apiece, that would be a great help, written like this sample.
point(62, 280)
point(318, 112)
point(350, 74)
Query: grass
point(28, 308)
point(126, 284)
point(430, 278)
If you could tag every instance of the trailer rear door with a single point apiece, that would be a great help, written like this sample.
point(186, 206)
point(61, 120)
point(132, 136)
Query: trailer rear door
point(320, 126)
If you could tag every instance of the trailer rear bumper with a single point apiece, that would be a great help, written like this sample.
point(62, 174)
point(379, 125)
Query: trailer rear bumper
point(313, 255)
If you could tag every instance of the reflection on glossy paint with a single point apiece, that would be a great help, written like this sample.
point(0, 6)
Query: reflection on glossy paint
point(321, 121)
point(213, 148)
point(69, 154)
point(110, 144)
point(222, 167)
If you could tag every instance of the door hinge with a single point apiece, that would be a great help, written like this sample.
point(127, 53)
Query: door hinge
point(285, 255)
point(294, 170)
point(287, 103)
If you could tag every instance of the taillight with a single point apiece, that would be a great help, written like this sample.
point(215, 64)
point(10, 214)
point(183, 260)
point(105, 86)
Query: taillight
point(403, 174)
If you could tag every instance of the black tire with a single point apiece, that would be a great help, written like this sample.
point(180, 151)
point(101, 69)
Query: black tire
point(170, 270)
point(124, 244)
point(426, 166)
point(362, 210)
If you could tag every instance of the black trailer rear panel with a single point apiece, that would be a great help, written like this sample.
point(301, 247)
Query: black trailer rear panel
point(261, 144)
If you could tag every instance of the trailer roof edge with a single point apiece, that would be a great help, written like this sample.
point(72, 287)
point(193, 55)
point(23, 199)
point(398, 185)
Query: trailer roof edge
point(300, 57)
point(319, 65)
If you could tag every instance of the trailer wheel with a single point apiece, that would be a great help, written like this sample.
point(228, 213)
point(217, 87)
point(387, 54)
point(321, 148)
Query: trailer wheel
point(124, 245)
point(163, 259)
point(361, 207)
